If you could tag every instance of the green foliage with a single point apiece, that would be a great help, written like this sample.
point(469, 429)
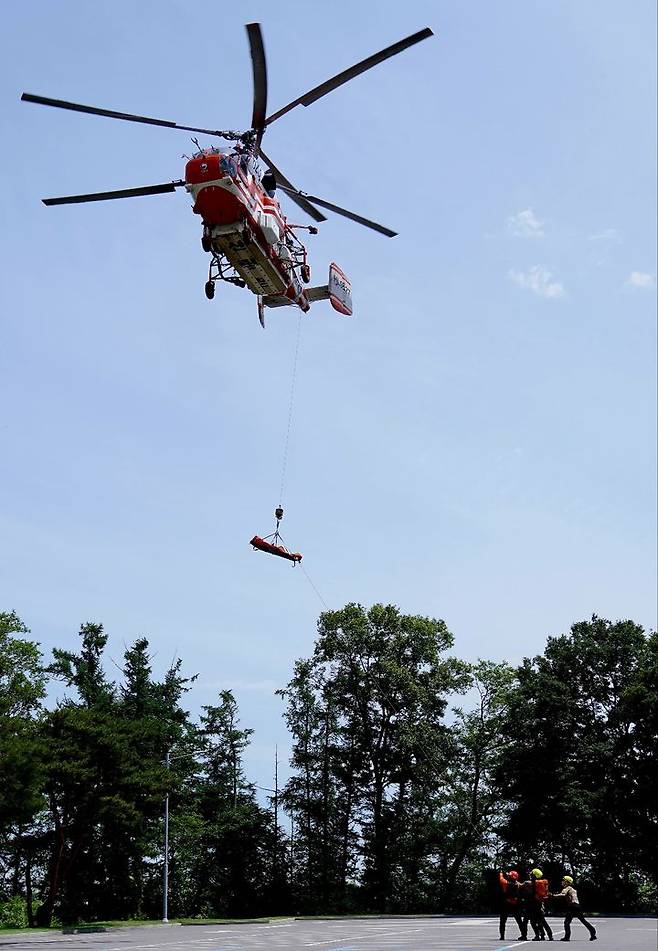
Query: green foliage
point(647, 892)
point(397, 801)
point(367, 716)
point(223, 858)
point(467, 811)
point(105, 779)
point(84, 670)
point(13, 913)
point(22, 688)
point(22, 678)
point(580, 770)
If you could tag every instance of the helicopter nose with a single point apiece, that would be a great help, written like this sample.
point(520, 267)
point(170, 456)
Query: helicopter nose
point(203, 168)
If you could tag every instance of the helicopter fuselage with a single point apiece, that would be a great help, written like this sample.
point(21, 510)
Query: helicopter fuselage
point(245, 226)
point(244, 230)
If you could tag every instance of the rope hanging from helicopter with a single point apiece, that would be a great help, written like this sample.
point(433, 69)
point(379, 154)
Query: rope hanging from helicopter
point(286, 447)
point(291, 404)
point(273, 544)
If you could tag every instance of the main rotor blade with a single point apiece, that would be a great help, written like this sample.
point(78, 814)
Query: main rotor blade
point(366, 222)
point(259, 68)
point(288, 187)
point(350, 73)
point(108, 196)
point(126, 116)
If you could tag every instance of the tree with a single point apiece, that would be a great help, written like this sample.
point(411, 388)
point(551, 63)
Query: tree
point(580, 756)
point(395, 805)
point(105, 780)
point(366, 713)
point(320, 800)
point(223, 842)
point(472, 803)
point(84, 671)
point(22, 689)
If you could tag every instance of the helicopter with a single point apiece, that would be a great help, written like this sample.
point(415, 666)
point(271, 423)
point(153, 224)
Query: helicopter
point(250, 240)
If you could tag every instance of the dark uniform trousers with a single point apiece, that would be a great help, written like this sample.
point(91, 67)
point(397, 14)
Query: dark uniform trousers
point(573, 911)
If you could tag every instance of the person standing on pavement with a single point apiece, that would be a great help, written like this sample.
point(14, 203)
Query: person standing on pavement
point(511, 904)
point(570, 896)
point(536, 890)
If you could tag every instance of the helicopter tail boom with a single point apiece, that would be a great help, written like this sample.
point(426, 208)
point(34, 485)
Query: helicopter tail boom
point(338, 291)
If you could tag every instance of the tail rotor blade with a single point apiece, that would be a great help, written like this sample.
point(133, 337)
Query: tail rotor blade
point(109, 196)
point(259, 67)
point(366, 222)
point(319, 91)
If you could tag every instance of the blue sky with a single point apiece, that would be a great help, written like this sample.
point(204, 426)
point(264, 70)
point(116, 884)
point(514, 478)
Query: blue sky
point(477, 443)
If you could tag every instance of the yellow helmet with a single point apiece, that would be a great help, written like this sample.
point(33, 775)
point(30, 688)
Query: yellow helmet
point(568, 879)
point(537, 872)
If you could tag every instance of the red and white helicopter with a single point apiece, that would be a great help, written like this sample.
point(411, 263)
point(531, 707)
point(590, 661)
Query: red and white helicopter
point(251, 242)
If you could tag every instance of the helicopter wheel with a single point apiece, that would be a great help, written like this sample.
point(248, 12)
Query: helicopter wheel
point(206, 242)
point(305, 272)
point(210, 289)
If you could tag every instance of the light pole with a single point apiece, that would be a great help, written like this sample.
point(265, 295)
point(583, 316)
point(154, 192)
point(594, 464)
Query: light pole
point(165, 870)
point(165, 876)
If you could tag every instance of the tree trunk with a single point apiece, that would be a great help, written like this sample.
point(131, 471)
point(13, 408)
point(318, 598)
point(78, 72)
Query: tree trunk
point(28, 889)
point(44, 915)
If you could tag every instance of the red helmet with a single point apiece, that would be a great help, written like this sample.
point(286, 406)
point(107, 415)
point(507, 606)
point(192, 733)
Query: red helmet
point(513, 875)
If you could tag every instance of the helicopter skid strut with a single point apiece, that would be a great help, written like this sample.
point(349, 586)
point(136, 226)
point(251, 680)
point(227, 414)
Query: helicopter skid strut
point(220, 270)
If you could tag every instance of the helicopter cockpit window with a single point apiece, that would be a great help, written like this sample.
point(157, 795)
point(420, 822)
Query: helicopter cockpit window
point(227, 164)
point(248, 165)
point(268, 181)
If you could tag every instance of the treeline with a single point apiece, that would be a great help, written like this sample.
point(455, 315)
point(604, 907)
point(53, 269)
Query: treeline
point(400, 799)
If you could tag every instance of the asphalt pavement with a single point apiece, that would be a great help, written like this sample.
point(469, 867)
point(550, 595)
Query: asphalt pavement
point(406, 934)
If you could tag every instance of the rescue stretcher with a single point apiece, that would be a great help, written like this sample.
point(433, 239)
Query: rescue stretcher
point(262, 544)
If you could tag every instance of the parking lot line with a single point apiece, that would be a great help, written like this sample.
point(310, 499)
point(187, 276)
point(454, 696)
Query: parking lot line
point(360, 937)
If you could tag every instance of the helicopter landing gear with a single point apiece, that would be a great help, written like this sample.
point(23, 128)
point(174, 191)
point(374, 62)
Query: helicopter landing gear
point(219, 269)
point(214, 273)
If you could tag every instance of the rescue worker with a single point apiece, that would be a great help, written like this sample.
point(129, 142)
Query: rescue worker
point(570, 896)
point(268, 181)
point(536, 891)
point(511, 903)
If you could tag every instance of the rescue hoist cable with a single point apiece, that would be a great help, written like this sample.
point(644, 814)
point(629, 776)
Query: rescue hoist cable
point(291, 403)
point(273, 544)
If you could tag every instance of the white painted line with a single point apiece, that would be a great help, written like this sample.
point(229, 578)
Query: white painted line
point(517, 943)
point(359, 937)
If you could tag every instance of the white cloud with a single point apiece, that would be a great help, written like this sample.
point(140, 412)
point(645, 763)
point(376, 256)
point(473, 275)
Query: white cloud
point(538, 280)
point(608, 234)
point(525, 224)
point(640, 279)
